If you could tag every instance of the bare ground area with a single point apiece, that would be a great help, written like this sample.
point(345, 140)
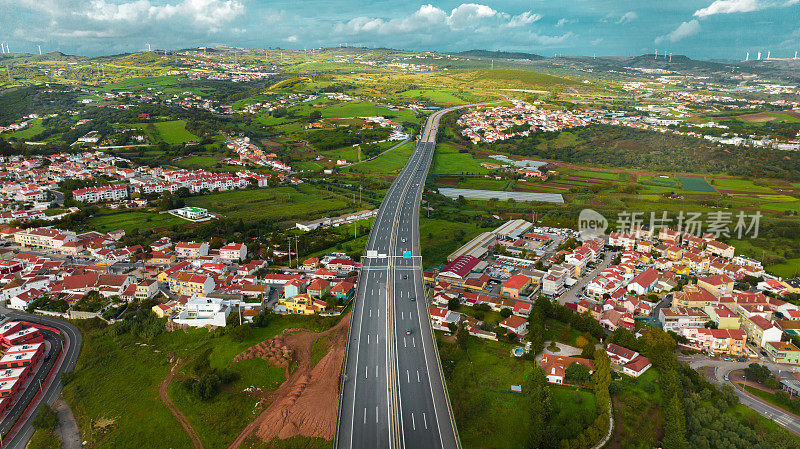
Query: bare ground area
point(306, 403)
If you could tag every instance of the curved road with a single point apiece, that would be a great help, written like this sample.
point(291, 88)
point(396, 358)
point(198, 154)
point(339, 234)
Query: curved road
point(393, 394)
point(16, 436)
point(724, 368)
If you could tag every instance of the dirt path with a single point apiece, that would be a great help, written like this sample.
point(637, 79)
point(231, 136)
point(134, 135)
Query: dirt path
point(162, 391)
point(306, 403)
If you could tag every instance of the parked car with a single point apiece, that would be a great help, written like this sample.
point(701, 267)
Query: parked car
point(408, 331)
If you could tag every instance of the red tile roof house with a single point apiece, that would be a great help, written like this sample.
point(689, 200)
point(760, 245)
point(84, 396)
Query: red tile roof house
point(515, 324)
point(343, 290)
point(522, 309)
point(644, 282)
point(514, 286)
point(318, 287)
point(555, 366)
point(619, 355)
point(113, 284)
point(77, 283)
point(637, 366)
point(440, 318)
point(233, 252)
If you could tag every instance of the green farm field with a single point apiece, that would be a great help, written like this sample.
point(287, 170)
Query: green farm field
point(172, 132)
point(695, 184)
point(303, 202)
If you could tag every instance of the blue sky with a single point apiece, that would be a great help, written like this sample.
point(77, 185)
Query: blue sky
point(697, 28)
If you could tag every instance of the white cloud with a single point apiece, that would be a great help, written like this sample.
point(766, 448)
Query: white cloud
point(730, 6)
point(472, 16)
point(211, 14)
point(467, 14)
point(628, 17)
point(684, 30)
point(525, 18)
point(561, 22)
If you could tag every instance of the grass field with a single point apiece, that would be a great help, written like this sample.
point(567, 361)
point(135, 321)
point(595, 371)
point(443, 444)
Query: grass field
point(391, 162)
point(739, 185)
point(488, 416)
point(303, 202)
point(436, 96)
point(114, 392)
point(695, 184)
point(438, 238)
point(357, 109)
point(659, 180)
point(34, 128)
point(595, 174)
point(128, 220)
point(172, 132)
point(447, 160)
point(143, 83)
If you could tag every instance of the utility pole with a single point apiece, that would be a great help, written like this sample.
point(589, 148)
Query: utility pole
point(290, 251)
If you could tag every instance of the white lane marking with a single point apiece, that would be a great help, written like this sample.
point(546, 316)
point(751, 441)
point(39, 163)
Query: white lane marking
point(408, 377)
point(376, 413)
point(370, 313)
point(425, 418)
point(413, 424)
point(418, 376)
point(376, 370)
point(404, 342)
point(414, 341)
point(402, 314)
point(367, 338)
point(366, 372)
point(410, 315)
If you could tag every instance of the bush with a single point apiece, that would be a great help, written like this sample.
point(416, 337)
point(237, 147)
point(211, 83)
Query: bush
point(45, 418)
point(241, 333)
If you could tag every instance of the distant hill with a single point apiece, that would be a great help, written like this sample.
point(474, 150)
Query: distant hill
point(499, 55)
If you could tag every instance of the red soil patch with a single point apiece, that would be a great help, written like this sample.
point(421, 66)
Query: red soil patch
point(759, 117)
point(448, 181)
point(306, 403)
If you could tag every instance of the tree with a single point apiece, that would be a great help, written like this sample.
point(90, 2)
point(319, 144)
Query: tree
point(505, 312)
point(453, 303)
point(566, 334)
point(331, 302)
point(674, 425)
point(462, 336)
point(314, 116)
point(576, 372)
point(45, 419)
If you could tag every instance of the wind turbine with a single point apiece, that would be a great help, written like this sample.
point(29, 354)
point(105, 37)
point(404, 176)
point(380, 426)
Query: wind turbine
point(656, 53)
point(148, 47)
point(747, 58)
point(40, 50)
point(769, 53)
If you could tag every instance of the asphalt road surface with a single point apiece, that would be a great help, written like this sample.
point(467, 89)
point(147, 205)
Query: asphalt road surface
point(393, 395)
point(723, 368)
point(72, 342)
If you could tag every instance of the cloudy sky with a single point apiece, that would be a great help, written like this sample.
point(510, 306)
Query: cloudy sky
point(698, 28)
